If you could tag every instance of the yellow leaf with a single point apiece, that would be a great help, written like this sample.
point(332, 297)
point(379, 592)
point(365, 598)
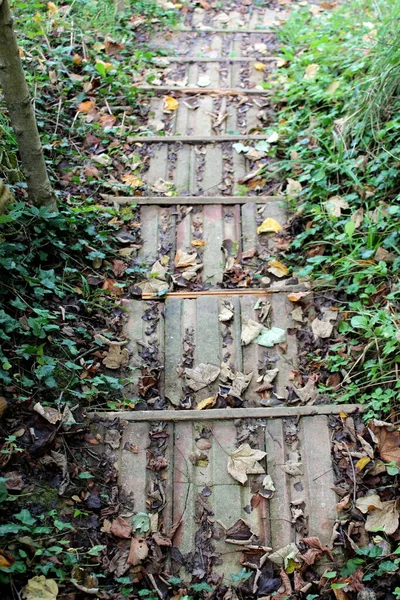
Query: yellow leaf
point(342, 415)
point(292, 565)
point(277, 268)
point(259, 66)
point(170, 103)
point(269, 226)
point(199, 243)
point(331, 89)
point(52, 9)
point(77, 60)
point(205, 403)
point(132, 180)
point(311, 71)
point(362, 463)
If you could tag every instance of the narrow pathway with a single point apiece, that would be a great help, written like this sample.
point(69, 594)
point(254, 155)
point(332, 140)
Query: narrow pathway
point(215, 355)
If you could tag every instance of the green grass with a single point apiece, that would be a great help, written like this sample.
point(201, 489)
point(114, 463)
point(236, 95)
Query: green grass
point(353, 255)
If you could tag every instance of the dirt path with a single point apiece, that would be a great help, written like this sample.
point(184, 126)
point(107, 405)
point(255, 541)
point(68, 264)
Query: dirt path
point(226, 335)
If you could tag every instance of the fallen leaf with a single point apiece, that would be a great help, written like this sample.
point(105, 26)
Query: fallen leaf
point(170, 103)
point(259, 66)
point(268, 484)
point(293, 188)
point(277, 268)
point(311, 72)
point(52, 8)
point(138, 551)
point(388, 440)
point(270, 337)
point(226, 312)
point(203, 81)
point(282, 556)
point(254, 154)
point(308, 393)
point(3, 405)
point(52, 415)
point(132, 180)
point(204, 4)
point(244, 461)
point(153, 286)
point(274, 137)
point(321, 329)
point(357, 217)
point(158, 271)
point(161, 187)
point(198, 243)
point(40, 588)
point(362, 463)
point(239, 147)
point(84, 580)
point(340, 594)
point(335, 205)
point(184, 259)
point(116, 356)
point(250, 330)
point(331, 89)
point(297, 296)
point(368, 503)
point(269, 225)
point(385, 519)
point(201, 376)
point(239, 534)
point(343, 503)
point(6, 559)
point(206, 403)
point(86, 106)
point(121, 528)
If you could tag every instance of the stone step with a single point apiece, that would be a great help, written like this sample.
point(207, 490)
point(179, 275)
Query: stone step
point(217, 233)
point(192, 490)
point(184, 333)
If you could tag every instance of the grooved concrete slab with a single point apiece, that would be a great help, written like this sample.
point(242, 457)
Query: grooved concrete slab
point(217, 234)
point(194, 481)
point(188, 333)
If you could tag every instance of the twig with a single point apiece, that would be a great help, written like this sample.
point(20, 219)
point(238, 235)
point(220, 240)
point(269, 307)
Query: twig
point(353, 472)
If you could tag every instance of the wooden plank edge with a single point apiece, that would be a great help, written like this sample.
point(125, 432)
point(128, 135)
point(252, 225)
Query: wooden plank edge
point(197, 139)
point(219, 414)
point(221, 30)
point(229, 292)
point(217, 59)
point(173, 200)
point(201, 90)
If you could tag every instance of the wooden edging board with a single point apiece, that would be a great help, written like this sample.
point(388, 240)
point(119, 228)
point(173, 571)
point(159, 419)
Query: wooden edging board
point(197, 139)
point(217, 59)
point(229, 292)
point(219, 414)
point(173, 200)
point(203, 90)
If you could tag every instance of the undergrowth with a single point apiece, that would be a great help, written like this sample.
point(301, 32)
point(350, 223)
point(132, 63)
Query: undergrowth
point(348, 185)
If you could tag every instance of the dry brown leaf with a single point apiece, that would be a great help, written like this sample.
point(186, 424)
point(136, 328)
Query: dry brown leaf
point(52, 415)
point(184, 259)
point(40, 588)
point(3, 405)
point(244, 461)
point(293, 187)
point(250, 330)
point(335, 205)
point(311, 72)
point(297, 296)
point(86, 106)
point(385, 519)
point(116, 357)
point(388, 441)
point(343, 503)
point(153, 286)
point(201, 376)
point(369, 503)
point(138, 551)
point(132, 180)
point(121, 528)
point(341, 594)
point(198, 243)
point(6, 560)
point(321, 329)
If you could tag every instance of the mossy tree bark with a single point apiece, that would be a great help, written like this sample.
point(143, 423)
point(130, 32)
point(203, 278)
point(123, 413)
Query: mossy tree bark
point(22, 116)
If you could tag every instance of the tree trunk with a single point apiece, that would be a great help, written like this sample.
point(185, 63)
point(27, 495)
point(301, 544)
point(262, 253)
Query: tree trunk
point(22, 117)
